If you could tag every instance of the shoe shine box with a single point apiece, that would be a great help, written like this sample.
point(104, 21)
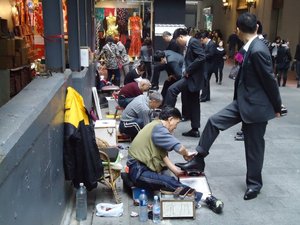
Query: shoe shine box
point(106, 130)
point(177, 207)
point(198, 182)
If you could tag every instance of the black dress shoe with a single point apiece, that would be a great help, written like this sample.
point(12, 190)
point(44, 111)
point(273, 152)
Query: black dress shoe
point(196, 164)
point(191, 133)
point(250, 194)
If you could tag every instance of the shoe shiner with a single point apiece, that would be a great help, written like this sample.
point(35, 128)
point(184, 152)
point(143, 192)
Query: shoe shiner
point(148, 159)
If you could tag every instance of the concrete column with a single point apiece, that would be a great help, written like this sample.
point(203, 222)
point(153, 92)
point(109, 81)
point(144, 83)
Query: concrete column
point(54, 35)
point(83, 23)
point(74, 35)
point(91, 23)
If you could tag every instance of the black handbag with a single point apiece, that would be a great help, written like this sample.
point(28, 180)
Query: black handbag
point(234, 71)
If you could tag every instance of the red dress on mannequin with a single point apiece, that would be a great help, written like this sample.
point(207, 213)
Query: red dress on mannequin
point(135, 28)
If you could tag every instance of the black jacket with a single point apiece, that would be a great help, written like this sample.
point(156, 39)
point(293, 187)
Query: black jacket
point(82, 163)
point(195, 65)
point(256, 90)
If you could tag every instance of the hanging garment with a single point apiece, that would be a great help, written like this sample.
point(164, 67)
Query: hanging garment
point(135, 36)
point(82, 163)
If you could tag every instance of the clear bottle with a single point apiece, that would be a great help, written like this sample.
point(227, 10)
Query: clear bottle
point(81, 203)
point(156, 210)
point(143, 206)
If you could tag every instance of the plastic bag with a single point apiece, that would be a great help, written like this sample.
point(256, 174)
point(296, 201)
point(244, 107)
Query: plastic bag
point(109, 210)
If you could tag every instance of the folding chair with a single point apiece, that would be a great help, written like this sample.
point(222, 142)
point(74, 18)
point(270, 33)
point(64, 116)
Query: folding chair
point(111, 162)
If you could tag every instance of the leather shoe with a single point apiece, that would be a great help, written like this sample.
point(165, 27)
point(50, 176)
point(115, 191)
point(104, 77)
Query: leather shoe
point(191, 133)
point(250, 194)
point(196, 164)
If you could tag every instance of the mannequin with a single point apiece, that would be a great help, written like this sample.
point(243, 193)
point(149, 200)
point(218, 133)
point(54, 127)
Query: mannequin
point(135, 28)
point(112, 28)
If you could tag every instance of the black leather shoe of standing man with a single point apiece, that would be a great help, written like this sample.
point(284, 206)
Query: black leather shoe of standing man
point(197, 163)
point(250, 194)
point(191, 133)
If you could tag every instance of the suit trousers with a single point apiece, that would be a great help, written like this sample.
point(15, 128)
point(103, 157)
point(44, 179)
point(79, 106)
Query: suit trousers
point(194, 97)
point(156, 73)
point(205, 95)
point(253, 140)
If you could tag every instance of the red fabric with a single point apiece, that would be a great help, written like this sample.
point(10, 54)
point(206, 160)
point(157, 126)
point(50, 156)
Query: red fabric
point(109, 10)
point(135, 36)
point(130, 90)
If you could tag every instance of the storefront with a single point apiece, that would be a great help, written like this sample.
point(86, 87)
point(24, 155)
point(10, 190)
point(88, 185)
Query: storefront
point(130, 21)
point(22, 43)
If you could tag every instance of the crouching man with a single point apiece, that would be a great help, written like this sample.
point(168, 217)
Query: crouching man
point(148, 159)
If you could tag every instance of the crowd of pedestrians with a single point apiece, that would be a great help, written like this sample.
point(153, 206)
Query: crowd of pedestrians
point(190, 59)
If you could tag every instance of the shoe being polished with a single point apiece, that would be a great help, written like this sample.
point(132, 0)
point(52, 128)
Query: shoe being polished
point(250, 194)
point(191, 133)
point(196, 164)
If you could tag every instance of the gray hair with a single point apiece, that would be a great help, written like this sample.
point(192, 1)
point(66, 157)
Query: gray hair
point(156, 96)
point(166, 33)
point(144, 81)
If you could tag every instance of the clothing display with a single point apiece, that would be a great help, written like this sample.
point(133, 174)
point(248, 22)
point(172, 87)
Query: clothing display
point(135, 32)
point(112, 28)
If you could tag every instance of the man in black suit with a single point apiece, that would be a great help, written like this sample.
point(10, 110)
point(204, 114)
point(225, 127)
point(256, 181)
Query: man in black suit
point(210, 50)
point(172, 45)
point(256, 100)
point(173, 62)
point(158, 67)
point(192, 81)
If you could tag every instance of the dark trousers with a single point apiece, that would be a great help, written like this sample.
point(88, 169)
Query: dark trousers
point(156, 73)
point(205, 95)
point(131, 128)
point(193, 97)
point(114, 76)
point(145, 178)
point(253, 140)
point(219, 72)
point(148, 73)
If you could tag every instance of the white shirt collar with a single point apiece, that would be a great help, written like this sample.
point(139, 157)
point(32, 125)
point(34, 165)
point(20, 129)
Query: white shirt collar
point(247, 45)
point(187, 40)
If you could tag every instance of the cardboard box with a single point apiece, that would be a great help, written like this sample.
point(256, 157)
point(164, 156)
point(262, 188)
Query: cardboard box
point(25, 76)
point(6, 62)
point(7, 47)
point(24, 56)
point(17, 60)
point(107, 131)
point(19, 43)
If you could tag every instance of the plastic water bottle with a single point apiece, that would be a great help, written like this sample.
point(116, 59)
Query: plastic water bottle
point(143, 204)
point(81, 203)
point(156, 210)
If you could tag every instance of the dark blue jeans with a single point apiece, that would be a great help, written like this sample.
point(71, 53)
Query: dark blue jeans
point(143, 177)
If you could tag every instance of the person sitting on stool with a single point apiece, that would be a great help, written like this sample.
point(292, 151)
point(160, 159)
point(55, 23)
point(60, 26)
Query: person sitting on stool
point(131, 90)
point(138, 113)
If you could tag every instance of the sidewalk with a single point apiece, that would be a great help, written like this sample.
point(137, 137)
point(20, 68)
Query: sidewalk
point(277, 204)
